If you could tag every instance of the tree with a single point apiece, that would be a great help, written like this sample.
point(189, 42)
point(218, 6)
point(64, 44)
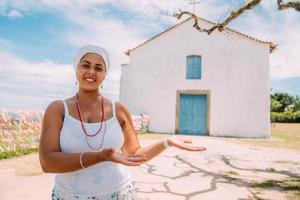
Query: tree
point(275, 105)
point(283, 102)
point(234, 14)
point(297, 104)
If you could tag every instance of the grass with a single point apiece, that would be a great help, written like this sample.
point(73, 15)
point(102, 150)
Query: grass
point(18, 152)
point(283, 135)
point(153, 136)
point(290, 185)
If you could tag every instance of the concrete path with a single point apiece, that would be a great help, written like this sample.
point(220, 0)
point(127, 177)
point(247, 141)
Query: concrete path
point(225, 171)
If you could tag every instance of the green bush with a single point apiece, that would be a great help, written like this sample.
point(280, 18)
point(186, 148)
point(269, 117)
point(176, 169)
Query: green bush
point(285, 117)
point(19, 152)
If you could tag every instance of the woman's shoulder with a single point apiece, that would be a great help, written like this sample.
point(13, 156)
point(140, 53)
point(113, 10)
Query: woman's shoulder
point(120, 106)
point(59, 103)
point(55, 107)
point(54, 115)
point(56, 104)
point(122, 111)
point(109, 102)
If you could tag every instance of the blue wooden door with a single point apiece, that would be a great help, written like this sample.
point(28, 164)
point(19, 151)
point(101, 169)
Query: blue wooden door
point(193, 114)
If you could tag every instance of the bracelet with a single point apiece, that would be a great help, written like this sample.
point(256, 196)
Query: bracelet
point(165, 143)
point(80, 160)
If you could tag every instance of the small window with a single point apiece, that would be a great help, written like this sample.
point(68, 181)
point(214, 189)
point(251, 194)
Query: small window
point(193, 67)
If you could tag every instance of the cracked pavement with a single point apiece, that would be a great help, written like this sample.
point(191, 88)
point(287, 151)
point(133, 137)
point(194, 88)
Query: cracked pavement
point(226, 170)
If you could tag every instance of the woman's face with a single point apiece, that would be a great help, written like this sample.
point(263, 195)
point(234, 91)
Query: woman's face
point(91, 71)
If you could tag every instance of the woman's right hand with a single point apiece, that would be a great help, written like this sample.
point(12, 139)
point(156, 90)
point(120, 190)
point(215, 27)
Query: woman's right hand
point(129, 160)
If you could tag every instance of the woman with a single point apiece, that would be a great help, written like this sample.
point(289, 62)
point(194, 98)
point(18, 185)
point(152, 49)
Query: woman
point(89, 140)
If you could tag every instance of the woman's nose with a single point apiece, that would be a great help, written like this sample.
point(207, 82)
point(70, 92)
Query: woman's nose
point(91, 71)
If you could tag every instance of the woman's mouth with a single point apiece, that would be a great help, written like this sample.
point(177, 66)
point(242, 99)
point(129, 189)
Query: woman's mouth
point(90, 80)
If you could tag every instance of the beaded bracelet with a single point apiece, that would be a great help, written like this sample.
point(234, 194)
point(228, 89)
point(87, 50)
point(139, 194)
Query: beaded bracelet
point(81, 160)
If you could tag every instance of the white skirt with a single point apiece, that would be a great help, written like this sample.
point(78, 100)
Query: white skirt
point(126, 193)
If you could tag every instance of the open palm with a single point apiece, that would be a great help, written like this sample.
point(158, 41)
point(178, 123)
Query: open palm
point(130, 160)
point(184, 143)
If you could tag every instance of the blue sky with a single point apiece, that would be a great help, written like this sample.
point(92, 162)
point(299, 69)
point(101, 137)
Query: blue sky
point(39, 38)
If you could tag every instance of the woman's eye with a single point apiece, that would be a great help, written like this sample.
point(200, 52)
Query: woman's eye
point(84, 66)
point(99, 69)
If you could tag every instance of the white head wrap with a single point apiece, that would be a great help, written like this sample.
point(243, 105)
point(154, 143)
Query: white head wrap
point(91, 49)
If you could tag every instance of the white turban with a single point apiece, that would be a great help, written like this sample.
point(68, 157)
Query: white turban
point(91, 49)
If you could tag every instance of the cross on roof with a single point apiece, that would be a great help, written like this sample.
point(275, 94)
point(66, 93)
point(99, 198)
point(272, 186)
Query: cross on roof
point(194, 2)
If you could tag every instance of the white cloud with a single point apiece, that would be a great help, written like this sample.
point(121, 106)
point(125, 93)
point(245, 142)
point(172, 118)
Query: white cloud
point(281, 27)
point(13, 14)
point(23, 82)
point(99, 27)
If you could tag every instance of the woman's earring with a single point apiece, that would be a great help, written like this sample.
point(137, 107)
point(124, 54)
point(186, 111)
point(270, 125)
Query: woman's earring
point(101, 86)
point(76, 82)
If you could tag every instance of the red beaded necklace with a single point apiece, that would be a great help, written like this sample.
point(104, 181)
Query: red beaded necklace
point(81, 119)
point(100, 128)
point(96, 149)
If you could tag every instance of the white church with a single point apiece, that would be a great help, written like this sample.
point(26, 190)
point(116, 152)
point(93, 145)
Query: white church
point(192, 83)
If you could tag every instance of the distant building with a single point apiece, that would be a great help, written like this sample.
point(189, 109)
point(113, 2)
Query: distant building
point(190, 82)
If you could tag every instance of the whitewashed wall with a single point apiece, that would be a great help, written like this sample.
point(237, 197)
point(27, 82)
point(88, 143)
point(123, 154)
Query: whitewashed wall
point(235, 69)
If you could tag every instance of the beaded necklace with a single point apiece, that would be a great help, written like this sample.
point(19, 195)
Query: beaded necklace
point(100, 128)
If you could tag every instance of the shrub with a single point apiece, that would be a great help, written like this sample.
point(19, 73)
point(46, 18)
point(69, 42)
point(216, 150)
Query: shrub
point(285, 117)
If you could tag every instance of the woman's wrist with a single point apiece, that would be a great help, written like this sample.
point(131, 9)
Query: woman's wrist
point(166, 143)
point(101, 156)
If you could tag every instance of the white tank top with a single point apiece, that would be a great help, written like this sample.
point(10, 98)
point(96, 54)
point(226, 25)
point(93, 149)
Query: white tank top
point(101, 178)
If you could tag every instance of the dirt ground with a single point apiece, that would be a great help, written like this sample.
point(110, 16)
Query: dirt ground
point(227, 170)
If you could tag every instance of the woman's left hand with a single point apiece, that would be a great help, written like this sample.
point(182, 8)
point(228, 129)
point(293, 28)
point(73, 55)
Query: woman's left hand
point(184, 143)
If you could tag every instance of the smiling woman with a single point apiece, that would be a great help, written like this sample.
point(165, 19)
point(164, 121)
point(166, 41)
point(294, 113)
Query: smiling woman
point(91, 64)
point(89, 140)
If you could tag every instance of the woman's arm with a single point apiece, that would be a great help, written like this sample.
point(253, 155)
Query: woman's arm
point(131, 143)
point(52, 160)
